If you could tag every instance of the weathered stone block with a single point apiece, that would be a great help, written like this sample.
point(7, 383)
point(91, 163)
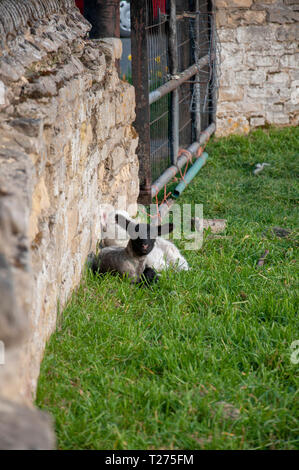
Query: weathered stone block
point(232, 125)
point(221, 3)
point(227, 35)
point(124, 109)
point(294, 97)
point(228, 77)
point(23, 428)
point(255, 17)
point(12, 322)
point(262, 3)
point(279, 78)
point(221, 19)
point(28, 126)
point(257, 77)
point(106, 118)
point(118, 158)
point(115, 45)
point(40, 203)
point(233, 3)
point(231, 93)
point(2, 94)
point(288, 33)
point(257, 121)
point(256, 59)
point(43, 86)
point(290, 61)
point(274, 117)
point(86, 138)
point(256, 36)
point(282, 16)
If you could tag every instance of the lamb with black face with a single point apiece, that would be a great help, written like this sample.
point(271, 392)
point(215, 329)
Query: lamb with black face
point(131, 260)
point(143, 237)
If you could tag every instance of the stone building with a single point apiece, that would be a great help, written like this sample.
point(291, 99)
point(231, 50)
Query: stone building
point(259, 64)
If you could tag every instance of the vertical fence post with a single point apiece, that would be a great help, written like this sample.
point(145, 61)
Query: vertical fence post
point(212, 38)
point(141, 84)
point(104, 17)
point(173, 68)
point(197, 76)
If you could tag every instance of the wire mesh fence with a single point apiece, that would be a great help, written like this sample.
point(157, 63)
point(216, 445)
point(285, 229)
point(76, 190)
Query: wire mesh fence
point(186, 131)
point(159, 136)
point(177, 35)
point(157, 46)
point(158, 73)
point(205, 42)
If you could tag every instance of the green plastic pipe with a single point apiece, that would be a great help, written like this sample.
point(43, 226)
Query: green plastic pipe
point(193, 170)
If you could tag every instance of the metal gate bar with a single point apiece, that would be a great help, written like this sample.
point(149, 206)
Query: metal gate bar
point(174, 83)
point(168, 174)
point(173, 70)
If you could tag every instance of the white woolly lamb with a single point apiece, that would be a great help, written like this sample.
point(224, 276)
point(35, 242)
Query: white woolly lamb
point(131, 261)
point(164, 254)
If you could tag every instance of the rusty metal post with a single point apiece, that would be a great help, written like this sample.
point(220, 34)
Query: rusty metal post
point(104, 17)
point(213, 92)
point(173, 68)
point(141, 84)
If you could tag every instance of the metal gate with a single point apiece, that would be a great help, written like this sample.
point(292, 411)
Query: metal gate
point(174, 71)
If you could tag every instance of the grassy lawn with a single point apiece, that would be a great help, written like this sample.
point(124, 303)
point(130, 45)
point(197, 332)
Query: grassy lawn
point(202, 360)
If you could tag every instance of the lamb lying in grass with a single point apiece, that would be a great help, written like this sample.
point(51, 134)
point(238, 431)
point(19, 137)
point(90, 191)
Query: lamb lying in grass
point(132, 259)
point(164, 254)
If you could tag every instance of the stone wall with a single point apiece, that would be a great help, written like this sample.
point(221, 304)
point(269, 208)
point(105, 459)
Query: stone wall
point(66, 145)
point(259, 70)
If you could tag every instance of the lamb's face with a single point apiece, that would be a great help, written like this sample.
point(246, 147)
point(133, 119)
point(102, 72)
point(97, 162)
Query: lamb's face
point(143, 244)
point(143, 236)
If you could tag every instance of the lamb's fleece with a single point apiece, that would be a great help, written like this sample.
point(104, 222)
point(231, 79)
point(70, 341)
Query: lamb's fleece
point(164, 254)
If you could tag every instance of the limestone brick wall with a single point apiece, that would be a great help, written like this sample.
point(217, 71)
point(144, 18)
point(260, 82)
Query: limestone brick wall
point(67, 145)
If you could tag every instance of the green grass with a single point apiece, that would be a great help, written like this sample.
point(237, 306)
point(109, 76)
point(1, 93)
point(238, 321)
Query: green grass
point(132, 368)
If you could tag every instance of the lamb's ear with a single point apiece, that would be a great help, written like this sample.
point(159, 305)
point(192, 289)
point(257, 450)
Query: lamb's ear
point(122, 221)
point(164, 229)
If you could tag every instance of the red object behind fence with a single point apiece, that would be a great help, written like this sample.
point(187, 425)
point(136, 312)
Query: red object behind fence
point(159, 4)
point(80, 5)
